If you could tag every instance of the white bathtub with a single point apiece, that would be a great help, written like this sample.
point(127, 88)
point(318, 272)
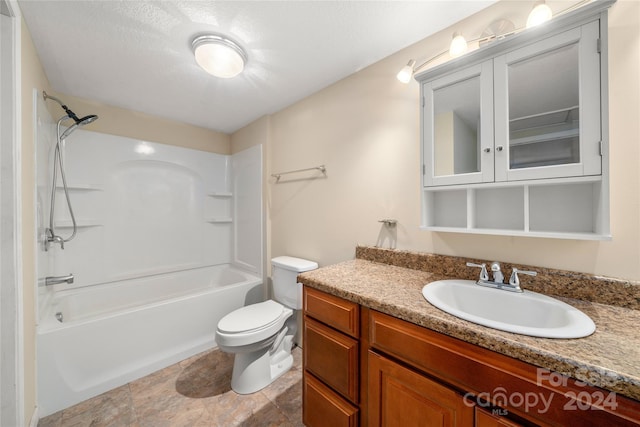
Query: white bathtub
point(114, 333)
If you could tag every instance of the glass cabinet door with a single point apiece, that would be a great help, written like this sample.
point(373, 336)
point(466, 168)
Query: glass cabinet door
point(457, 121)
point(548, 108)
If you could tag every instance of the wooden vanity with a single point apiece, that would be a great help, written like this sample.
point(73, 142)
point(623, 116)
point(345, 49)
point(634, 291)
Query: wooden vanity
point(364, 367)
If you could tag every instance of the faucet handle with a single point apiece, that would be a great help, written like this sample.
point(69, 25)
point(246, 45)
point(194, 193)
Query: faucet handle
point(514, 281)
point(483, 273)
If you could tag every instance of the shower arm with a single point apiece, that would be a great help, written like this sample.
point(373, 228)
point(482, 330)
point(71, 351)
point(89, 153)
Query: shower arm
point(70, 114)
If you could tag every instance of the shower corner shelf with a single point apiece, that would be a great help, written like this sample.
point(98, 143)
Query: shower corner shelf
point(84, 223)
point(219, 220)
point(220, 194)
point(80, 187)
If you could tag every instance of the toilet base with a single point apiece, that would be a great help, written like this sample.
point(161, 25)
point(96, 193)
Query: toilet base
point(254, 371)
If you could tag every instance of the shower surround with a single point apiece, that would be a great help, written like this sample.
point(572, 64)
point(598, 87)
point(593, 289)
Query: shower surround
point(169, 239)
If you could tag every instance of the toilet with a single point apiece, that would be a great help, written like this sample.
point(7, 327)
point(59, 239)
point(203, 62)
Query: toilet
point(261, 335)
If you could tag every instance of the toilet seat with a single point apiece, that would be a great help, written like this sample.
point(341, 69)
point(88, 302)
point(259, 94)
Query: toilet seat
point(251, 317)
point(251, 324)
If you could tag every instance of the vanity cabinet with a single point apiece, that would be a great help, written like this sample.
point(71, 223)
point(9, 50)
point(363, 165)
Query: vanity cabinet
point(331, 377)
point(496, 389)
point(383, 371)
point(514, 135)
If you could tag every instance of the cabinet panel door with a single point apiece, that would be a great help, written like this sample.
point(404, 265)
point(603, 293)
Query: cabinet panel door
point(486, 419)
point(332, 357)
point(547, 108)
point(401, 397)
point(324, 408)
point(457, 128)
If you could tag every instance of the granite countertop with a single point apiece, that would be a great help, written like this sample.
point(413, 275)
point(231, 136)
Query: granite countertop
point(610, 358)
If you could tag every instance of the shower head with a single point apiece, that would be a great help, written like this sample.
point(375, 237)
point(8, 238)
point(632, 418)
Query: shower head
point(78, 123)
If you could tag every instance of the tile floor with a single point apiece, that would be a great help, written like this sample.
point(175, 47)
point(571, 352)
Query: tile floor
point(195, 392)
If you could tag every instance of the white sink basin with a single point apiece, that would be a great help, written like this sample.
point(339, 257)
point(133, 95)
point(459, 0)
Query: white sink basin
point(526, 313)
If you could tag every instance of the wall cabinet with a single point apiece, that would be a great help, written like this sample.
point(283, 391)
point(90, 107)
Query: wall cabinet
point(411, 376)
point(510, 127)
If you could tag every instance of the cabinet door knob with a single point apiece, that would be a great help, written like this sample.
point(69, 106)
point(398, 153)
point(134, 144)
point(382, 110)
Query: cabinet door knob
point(487, 150)
point(499, 148)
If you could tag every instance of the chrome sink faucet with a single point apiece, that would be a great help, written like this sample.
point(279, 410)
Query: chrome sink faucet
point(498, 277)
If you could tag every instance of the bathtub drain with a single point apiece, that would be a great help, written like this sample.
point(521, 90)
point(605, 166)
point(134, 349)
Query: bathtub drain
point(59, 316)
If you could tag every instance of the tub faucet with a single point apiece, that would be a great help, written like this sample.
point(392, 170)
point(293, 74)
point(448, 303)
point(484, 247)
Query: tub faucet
point(54, 280)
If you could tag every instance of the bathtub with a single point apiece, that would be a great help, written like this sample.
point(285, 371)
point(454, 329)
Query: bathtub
point(96, 338)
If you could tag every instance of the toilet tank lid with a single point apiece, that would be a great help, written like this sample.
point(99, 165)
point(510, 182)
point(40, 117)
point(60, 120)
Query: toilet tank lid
point(294, 264)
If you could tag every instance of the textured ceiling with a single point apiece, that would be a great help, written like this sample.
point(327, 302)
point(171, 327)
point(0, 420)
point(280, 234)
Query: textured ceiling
point(136, 54)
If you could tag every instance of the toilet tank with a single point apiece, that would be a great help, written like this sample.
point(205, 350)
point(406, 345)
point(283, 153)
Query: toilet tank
point(285, 270)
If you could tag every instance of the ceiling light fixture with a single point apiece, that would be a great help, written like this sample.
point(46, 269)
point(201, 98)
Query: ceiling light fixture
point(219, 56)
point(539, 14)
point(458, 45)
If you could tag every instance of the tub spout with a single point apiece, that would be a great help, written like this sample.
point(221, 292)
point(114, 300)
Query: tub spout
point(54, 280)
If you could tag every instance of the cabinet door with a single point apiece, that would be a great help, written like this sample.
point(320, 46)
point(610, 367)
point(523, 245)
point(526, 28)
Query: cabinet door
point(322, 407)
point(547, 108)
point(457, 127)
point(486, 419)
point(332, 357)
point(401, 397)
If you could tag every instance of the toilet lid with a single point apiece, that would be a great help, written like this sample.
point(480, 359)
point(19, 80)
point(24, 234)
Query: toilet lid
point(254, 316)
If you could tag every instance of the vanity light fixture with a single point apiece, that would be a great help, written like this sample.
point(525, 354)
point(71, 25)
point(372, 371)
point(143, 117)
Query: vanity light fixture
point(539, 14)
point(407, 72)
point(496, 31)
point(458, 45)
point(218, 55)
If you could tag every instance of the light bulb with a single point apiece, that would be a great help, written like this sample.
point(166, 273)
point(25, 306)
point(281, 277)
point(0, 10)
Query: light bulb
point(539, 14)
point(407, 72)
point(458, 45)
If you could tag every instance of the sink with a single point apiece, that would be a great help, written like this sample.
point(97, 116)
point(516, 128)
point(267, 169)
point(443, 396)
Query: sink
point(526, 313)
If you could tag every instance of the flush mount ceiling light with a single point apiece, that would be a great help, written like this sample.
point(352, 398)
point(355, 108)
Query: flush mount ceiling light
point(218, 55)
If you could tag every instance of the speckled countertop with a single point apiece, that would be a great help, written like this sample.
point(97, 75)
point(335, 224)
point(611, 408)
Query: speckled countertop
point(610, 358)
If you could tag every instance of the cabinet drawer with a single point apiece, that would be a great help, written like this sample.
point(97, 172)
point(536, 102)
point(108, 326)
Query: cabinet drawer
point(332, 357)
point(323, 407)
point(333, 311)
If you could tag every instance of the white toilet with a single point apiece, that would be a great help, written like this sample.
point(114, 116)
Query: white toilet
point(261, 335)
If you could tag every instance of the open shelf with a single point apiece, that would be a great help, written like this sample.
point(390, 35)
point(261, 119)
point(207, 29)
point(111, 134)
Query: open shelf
point(80, 223)
point(219, 220)
point(80, 187)
point(566, 208)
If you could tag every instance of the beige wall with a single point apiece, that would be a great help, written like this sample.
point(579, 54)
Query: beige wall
point(365, 129)
point(132, 124)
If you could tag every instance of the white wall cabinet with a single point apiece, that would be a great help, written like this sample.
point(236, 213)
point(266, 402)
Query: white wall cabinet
point(514, 135)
